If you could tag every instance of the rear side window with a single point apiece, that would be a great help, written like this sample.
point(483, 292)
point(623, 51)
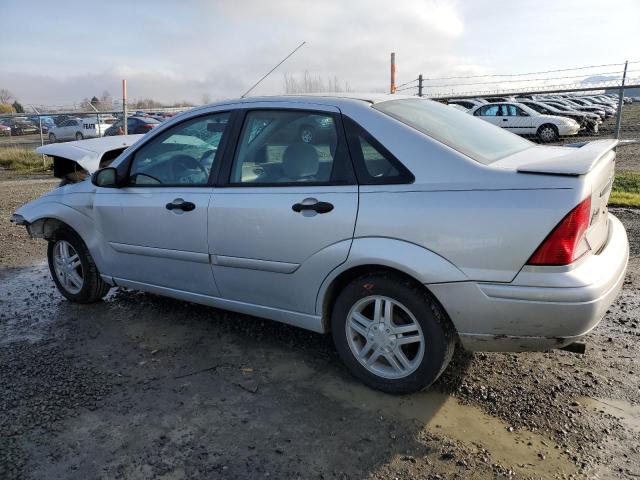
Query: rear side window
point(374, 164)
point(289, 147)
point(479, 140)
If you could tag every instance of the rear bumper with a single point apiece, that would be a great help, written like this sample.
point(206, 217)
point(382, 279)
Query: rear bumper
point(544, 307)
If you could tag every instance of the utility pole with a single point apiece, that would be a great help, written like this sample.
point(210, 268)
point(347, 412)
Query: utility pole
point(621, 101)
point(420, 85)
point(124, 107)
point(392, 88)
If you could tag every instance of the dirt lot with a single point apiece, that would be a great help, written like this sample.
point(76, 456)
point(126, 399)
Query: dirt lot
point(140, 386)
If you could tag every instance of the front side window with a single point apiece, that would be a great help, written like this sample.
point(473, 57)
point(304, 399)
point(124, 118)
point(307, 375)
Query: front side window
point(477, 139)
point(183, 155)
point(284, 147)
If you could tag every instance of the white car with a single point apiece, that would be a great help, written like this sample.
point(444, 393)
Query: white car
point(77, 129)
point(520, 119)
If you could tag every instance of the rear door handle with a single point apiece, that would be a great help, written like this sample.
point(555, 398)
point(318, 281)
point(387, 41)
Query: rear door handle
point(180, 204)
point(318, 207)
point(505, 119)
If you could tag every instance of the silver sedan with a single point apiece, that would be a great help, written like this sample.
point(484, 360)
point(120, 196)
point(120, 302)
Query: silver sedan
point(402, 226)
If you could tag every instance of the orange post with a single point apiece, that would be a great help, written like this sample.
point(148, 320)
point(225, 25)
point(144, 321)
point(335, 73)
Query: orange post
point(393, 73)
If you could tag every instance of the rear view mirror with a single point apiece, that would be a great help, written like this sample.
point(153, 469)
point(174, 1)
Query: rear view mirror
point(105, 178)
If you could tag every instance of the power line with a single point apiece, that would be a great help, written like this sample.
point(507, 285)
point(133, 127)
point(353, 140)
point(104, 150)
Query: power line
point(621, 65)
point(407, 83)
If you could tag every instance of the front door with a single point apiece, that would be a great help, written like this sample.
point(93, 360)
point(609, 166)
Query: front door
point(286, 215)
point(155, 228)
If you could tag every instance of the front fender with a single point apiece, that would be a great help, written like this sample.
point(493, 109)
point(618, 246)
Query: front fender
point(423, 265)
point(36, 214)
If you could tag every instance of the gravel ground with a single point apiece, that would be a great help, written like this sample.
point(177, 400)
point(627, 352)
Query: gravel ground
point(141, 386)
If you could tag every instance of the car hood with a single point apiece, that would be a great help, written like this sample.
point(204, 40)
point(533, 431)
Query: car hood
point(87, 153)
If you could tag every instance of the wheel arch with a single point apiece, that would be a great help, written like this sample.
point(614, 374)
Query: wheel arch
point(406, 260)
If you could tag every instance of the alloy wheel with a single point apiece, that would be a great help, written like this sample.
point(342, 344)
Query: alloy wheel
point(385, 337)
point(68, 267)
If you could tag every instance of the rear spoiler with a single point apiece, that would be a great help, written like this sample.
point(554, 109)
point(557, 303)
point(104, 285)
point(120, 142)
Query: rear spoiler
point(579, 162)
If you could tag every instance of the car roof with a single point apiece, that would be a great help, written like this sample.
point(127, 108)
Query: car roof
point(329, 99)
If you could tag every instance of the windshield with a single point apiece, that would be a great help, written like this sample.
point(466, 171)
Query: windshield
point(472, 136)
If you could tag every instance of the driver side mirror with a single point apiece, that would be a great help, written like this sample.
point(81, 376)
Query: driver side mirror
point(106, 178)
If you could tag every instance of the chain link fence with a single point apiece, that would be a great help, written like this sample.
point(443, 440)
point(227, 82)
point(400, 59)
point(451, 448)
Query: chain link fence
point(42, 125)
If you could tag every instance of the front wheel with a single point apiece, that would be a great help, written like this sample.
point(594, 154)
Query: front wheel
point(548, 133)
point(73, 269)
point(391, 334)
point(52, 138)
point(79, 136)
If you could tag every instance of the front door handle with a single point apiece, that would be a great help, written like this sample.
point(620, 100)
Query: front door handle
point(505, 119)
point(180, 204)
point(318, 207)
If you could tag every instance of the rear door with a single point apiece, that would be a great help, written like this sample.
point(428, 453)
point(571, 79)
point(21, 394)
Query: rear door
point(285, 215)
point(490, 113)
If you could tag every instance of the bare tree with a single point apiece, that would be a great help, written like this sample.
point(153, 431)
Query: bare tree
point(313, 84)
point(206, 99)
point(5, 96)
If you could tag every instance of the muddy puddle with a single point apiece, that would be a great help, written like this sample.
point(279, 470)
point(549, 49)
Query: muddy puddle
point(27, 318)
point(627, 413)
point(523, 451)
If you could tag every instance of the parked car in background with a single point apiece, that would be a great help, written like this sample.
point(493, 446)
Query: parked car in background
point(77, 129)
point(135, 125)
point(567, 103)
point(20, 126)
point(467, 103)
point(4, 130)
point(587, 121)
point(520, 119)
point(409, 229)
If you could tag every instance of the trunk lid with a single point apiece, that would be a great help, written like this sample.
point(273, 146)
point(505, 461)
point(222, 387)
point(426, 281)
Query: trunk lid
point(591, 163)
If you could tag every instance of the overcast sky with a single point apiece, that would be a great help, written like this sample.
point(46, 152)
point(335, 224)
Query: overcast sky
point(58, 52)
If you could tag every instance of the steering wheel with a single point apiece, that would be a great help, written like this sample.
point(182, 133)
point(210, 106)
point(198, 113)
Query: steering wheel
point(180, 163)
point(203, 158)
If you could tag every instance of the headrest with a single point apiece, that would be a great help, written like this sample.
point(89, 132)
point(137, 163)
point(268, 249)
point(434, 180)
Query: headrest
point(300, 160)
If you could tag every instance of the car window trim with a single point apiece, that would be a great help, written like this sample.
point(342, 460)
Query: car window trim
point(227, 167)
point(213, 174)
point(353, 130)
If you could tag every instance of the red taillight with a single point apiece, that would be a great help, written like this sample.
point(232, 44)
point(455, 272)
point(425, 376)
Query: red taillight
point(565, 243)
point(146, 126)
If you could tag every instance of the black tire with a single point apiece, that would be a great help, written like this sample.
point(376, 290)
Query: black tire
point(437, 329)
point(547, 133)
point(93, 287)
point(52, 138)
point(79, 136)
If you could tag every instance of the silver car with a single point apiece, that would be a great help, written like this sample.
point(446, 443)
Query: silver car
point(405, 229)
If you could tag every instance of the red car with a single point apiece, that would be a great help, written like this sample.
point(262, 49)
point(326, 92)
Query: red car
point(4, 130)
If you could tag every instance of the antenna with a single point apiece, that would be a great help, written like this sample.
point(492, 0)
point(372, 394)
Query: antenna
point(271, 71)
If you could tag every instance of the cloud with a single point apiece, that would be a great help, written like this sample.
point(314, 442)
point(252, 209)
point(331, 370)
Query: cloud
point(221, 48)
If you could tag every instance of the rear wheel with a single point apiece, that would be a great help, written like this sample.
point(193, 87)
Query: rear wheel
point(391, 333)
point(547, 133)
point(79, 136)
point(73, 269)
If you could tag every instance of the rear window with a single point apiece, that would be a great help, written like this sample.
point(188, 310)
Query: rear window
point(471, 136)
